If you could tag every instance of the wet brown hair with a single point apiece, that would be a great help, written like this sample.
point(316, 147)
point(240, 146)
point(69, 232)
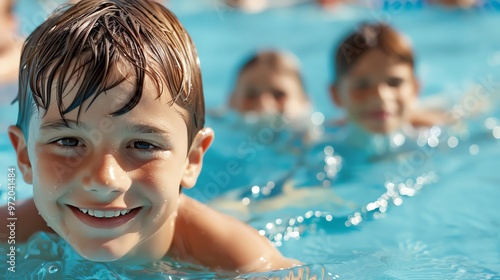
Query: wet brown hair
point(92, 40)
point(368, 37)
point(279, 61)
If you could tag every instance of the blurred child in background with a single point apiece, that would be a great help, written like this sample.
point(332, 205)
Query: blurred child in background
point(253, 6)
point(10, 43)
point(375, 83)
point(375, 80)
point(270, 117)
point(270, 82)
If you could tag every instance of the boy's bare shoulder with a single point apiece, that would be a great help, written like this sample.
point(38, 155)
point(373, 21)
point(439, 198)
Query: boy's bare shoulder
point(429, 117)
point(28, 221)
point(208, 237)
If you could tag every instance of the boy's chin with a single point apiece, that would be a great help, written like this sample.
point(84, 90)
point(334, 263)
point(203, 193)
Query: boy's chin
point(116, 258)
point(108, 252)
point(103, 256)
point(381, 127)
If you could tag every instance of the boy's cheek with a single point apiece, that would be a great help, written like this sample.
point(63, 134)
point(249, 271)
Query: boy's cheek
point(354, 111)
point(158, 184)
point(54, 169)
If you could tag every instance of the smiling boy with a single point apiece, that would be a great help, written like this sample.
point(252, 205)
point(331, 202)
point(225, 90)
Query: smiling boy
point(10, 44)
point(374, 79)
point(110, 127)
point(270, 82)
point(375, 82)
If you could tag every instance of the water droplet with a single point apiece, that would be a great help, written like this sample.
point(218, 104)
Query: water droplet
point(433, 141)
point(474, 149)
point(490, 123)
point(317, 118)
point(435, 131)
point(328, 150)
point(496, 132)
point(399, 139)
point(452, 142)
point(53, 269)
point(245, 201)
point(255, 189)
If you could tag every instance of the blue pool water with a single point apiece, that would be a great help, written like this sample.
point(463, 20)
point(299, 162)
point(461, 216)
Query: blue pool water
point(426, 210)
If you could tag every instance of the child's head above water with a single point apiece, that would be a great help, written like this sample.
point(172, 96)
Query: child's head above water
point(375, 78)
point(7, 21)
point(270, 83)
point(110, 125)
point(136, 44)
point(10, 44)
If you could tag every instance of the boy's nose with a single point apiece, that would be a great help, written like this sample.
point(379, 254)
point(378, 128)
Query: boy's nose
point(267, 103)
point(107, 176)
point(383, 91)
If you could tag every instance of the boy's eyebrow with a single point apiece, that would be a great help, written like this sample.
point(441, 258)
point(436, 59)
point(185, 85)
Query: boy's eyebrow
point(60, 124)
point(147, 129)
point(63, 124)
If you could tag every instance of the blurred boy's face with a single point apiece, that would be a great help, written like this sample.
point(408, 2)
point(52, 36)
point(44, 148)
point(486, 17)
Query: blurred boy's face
point(110, 185)
point(378, 92)
point(7, 24)
point(266, 91)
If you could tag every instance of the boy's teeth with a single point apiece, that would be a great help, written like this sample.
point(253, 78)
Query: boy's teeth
point(104, 214)
point(98, 214)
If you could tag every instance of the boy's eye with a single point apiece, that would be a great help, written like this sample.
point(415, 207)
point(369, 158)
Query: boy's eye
point(394, 82)
point(142, 145)
point(278, 94)
point(252, 93)
point(362, 84)
point(68, 142)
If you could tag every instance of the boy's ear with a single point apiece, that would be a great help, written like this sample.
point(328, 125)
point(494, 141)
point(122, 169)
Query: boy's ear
point(335, 95)
point(232, 99)
point(416, 86)
point(199, 147)
point(17, 139)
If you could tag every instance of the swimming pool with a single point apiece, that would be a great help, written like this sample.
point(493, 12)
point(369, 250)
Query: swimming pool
point(427, 213)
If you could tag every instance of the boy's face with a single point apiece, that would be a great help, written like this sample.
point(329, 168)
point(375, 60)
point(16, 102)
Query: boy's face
point(378, 92)
point(264, 90)
point(7, 24)
point(110, 185)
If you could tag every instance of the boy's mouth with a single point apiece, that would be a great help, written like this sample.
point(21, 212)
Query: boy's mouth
point(104, 214)
point(378, 115)
point(105, 219)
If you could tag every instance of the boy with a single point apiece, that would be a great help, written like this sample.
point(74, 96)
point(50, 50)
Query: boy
point(270, 83)
point(10, 44)
point(110, 125)
point(375, 81)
